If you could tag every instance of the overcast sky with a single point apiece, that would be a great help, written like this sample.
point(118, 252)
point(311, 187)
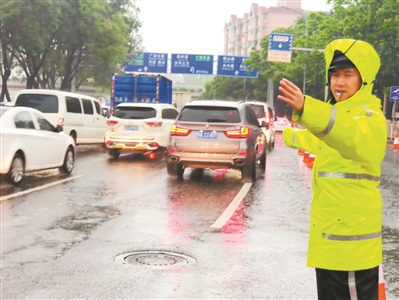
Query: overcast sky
point(196, 26)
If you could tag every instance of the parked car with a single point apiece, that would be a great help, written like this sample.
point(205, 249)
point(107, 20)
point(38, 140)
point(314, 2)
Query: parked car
point(140, 128)
point(80, 115)
point(29, 142)
point(264, 113)
point(217, 134)
point(281, 123)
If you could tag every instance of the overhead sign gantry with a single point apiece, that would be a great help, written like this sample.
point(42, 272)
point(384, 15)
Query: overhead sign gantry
point(195, 64)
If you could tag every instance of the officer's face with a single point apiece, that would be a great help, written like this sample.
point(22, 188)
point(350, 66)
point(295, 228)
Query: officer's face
point(345, 83)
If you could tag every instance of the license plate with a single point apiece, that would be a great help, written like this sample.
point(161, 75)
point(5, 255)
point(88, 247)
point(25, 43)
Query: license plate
point(207, 134)
point(135, 128)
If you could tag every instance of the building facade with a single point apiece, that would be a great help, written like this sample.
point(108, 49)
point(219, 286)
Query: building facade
point(242, 34)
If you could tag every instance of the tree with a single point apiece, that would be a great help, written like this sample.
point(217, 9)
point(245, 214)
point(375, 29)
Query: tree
point(70, 42)
point(258, 88)
point(377, 22)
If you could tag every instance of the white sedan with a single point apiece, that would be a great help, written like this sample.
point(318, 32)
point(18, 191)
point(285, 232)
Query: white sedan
point(140, 128)
point(281, 123)
point(29, 142)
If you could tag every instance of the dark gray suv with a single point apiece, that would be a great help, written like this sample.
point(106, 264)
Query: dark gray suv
point(217, 134)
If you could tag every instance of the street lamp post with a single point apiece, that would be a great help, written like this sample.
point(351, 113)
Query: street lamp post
point(306, 32)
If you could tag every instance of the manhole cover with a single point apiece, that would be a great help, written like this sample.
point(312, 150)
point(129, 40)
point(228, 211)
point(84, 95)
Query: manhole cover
point(155, 259)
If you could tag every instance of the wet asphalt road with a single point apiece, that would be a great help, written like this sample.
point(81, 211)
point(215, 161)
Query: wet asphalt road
point(77, 239)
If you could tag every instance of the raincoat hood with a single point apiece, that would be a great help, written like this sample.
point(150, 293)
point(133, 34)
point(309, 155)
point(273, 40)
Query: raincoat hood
point(362, 55)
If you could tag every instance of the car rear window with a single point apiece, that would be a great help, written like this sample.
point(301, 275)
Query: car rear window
point(210, 114)
point(134, 112)
point(44, 103)
point(259, 110)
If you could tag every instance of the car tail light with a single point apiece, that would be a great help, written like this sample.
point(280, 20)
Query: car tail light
point(151, 155)
point(108, 143)
point(154, 124)
point(111, 122)
point(154, 144)
point(61, 121)
point(241, 132)
point(177, 131)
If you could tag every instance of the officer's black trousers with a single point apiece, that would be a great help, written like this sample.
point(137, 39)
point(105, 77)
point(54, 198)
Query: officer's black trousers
point(344, 285)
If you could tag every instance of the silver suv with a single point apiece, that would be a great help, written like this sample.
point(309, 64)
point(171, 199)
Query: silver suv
point(217, 134)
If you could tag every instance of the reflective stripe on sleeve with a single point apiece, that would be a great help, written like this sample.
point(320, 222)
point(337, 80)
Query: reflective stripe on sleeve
point(348, 176)
point(294, 137)
point(360, 237)
point(330, 123)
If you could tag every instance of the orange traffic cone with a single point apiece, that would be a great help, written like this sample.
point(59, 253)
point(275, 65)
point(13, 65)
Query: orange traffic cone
point(381, 284)
point(395, 145)
point(306, 157)
point(310, 161)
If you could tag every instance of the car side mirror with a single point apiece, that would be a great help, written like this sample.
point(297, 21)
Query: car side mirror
point(58, 128)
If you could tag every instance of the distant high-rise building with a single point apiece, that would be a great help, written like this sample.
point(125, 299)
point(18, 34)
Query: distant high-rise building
point(289, 3)
point(242, 34)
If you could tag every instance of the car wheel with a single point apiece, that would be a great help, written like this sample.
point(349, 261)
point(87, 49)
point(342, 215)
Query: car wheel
point(175, 170)
point(73, 135)
point(17, 170)
point(69, 162)
point(262, 162)
point(114, 153)
point(248, 173)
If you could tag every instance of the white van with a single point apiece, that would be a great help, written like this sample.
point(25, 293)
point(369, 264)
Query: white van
point(80, 115)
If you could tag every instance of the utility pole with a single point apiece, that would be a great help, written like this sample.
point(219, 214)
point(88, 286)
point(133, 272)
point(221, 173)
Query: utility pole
point(306, 32)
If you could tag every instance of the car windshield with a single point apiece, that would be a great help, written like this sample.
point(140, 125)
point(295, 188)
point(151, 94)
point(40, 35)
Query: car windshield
point(210, 114)
point(134, 112)
point(259, 111)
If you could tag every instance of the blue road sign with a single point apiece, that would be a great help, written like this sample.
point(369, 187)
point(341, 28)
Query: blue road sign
point(192, 64)
point(394, 96)
point(233, 66)
point(280, 42)
point(280, 47)
point(147, 62)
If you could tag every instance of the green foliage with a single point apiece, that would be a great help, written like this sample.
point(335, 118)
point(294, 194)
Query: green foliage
point(374, 21)
point(70, 41)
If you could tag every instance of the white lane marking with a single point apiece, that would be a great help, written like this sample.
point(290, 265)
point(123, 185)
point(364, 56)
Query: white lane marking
point(39, 188)
point(229, 211)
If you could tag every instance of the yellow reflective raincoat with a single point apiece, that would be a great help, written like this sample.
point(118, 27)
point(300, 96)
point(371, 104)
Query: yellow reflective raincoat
point(349, 142)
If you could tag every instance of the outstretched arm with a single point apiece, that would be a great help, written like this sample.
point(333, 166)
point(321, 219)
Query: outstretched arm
point(292, 95)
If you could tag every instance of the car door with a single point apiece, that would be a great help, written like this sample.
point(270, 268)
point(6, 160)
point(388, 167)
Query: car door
point(95, 124)
point(51, 145)
point(28, 138)
point(100, 121)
